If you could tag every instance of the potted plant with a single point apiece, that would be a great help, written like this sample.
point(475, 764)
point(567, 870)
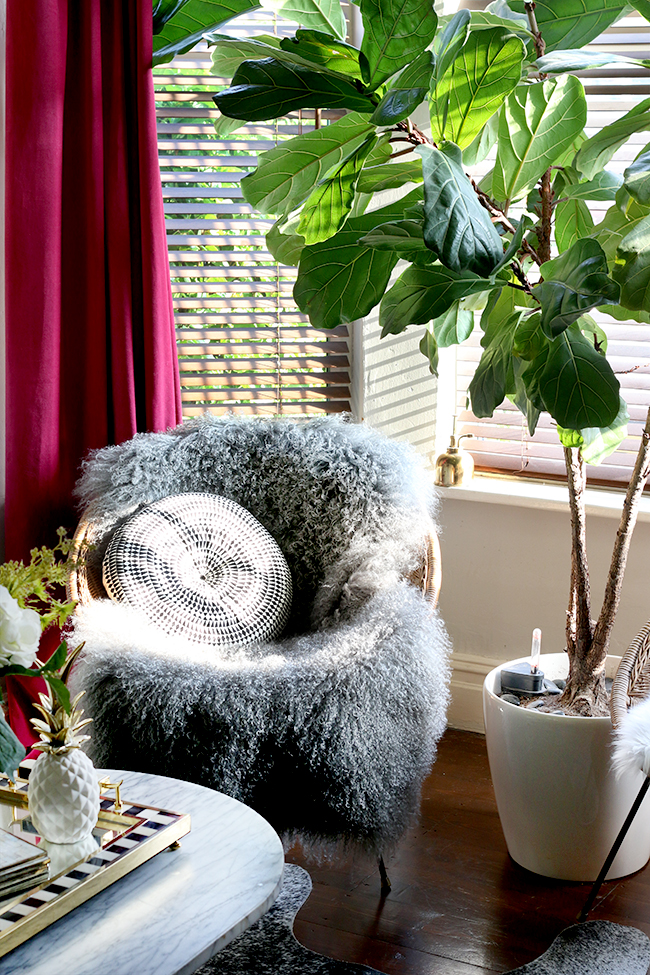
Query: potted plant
point(519, 246)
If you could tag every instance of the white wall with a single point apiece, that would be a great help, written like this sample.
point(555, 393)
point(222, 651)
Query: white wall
point(506, 570)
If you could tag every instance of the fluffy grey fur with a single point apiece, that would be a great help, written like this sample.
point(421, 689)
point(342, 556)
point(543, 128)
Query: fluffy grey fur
point(593, 948)
point(632, 740)
point(330, 730)
point(269, 947)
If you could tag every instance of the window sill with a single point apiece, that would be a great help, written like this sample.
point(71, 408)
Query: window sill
point(543, 495)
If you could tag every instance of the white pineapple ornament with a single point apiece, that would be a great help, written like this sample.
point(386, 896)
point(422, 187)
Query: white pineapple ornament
point(63, 792)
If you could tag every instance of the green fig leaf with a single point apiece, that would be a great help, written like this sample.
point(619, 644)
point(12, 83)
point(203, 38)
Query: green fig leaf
point(595, 153)
point(637, 178)
point(423, 294)
point(573, 220)
point(537, 124)
point(341, 280)
point(267, 89)
point(325, 51)
point(286, 246)
point(407, 91)
point(453, 326)
point(603, 186)
point(394, 33)
point(573, 283)
point(572, 23)
point(482, 74)
point(632, 267)
point(560, 61)
point(479, 149)
point(389, 176)
point(190, 21)
point(456, 227)
point(320, 15)
point(402, 237)
point(578, 386)
point(494, 377)
point(327, 208)
point(429, 349)
point(599, 442)
point(286, 175)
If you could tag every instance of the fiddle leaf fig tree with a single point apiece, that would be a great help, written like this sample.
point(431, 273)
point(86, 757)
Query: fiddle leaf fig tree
point(516, 250)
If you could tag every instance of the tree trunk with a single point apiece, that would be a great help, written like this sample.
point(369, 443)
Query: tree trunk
point(588, 643)
point(585, 691)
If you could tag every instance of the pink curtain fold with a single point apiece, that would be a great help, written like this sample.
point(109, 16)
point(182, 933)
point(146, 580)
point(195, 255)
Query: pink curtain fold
point(90, 346)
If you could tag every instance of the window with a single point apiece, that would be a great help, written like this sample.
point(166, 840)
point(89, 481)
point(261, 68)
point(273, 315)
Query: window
point(502, 443)
point(242, 343)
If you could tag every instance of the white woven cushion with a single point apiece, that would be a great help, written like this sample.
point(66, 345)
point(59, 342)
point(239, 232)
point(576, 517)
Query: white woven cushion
point(202, 567)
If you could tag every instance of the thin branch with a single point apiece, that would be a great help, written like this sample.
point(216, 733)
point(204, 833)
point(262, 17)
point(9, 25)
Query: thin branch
point(625, 372)
point(540, 46)
point(525, 284)
point(414, 134)
point(403, 152)
point(623, 538)
point(498, 216)
point(544, 227)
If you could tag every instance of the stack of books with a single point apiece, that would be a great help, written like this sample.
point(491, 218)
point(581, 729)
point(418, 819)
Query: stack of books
point(22, 864)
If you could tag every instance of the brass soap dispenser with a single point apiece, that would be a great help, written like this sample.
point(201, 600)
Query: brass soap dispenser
point(455, 466)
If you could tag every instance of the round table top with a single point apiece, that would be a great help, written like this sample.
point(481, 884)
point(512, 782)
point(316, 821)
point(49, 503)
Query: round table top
point(172, 913)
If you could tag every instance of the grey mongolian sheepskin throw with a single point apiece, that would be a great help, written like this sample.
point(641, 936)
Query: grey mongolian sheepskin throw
point(330, 729)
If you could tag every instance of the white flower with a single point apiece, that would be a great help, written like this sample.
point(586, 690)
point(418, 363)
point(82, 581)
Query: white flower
point(20, 632)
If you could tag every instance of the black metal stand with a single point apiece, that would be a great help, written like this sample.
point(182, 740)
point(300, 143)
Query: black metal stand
point(385, 882)
point(612, 853)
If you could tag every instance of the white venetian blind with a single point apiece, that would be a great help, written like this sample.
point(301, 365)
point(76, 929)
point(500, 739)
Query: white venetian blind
point(243, 345)
point(503, 443)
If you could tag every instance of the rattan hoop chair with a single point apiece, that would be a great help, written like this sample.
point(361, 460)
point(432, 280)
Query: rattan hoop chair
point(630, 686)
point(355, 689)
point(85, 581)
point(85, 585)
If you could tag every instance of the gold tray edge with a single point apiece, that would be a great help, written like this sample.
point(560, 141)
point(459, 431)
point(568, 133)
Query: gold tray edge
point(42, 917)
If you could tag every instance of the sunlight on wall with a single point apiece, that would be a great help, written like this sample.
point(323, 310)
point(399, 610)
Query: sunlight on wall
point(400, 394)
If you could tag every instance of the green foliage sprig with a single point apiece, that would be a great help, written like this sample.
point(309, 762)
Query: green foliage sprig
point(37, 584)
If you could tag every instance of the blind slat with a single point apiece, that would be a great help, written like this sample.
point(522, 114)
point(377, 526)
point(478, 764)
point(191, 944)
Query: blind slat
point(242, 343)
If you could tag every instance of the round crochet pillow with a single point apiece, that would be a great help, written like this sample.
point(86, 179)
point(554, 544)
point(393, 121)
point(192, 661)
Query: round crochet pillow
point(201, 567)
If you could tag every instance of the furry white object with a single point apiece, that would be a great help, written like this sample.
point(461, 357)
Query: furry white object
point(632, 741)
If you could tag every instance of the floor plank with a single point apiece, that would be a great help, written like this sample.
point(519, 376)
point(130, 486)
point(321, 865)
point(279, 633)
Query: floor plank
point(458, 905)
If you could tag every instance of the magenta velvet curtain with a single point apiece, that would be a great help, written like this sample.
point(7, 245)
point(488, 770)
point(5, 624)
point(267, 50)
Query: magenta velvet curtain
point(91, 353)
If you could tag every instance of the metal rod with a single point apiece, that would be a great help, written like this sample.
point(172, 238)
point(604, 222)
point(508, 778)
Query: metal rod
point(385, 881)
point(614, 850)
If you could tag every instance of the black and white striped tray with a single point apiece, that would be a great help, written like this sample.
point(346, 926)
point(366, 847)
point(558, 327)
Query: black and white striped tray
point(125, 839)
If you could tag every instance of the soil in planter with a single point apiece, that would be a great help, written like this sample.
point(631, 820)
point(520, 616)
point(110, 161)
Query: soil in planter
point(537, 702)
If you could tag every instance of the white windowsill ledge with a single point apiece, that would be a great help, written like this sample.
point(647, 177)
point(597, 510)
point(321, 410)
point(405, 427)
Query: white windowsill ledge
point(545, 495)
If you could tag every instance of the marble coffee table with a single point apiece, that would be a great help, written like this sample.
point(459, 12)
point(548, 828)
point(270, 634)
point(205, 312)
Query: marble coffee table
point(170, 915)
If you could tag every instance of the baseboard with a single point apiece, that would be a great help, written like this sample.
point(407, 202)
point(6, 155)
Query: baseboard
point(468, 673)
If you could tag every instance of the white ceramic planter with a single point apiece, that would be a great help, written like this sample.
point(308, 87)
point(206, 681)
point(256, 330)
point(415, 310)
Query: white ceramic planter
point(560, 805)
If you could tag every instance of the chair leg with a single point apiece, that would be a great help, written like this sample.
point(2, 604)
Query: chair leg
point(385, 881)
point(612, 853)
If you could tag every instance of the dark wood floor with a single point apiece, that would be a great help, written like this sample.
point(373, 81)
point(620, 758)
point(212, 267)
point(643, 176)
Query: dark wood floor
point(459, 905)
